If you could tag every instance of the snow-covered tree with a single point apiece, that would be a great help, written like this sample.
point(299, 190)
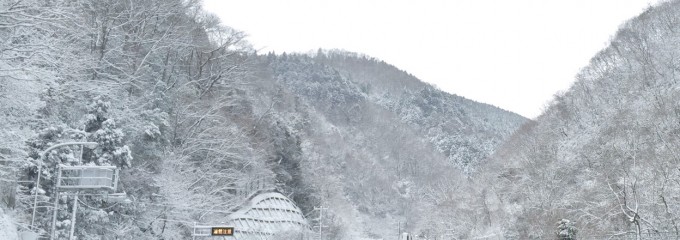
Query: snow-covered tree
point(111, 150)
point(566, 230)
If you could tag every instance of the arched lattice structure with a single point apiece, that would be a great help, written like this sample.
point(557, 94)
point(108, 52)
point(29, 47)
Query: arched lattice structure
point(267, 215)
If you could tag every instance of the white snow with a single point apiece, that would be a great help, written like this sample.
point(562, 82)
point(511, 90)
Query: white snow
point(7, 229)
point(270, 212)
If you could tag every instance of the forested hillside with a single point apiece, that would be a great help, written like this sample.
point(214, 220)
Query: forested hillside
point(191, 114)
point(465, 131)
point(604, 156)
point(387, 155)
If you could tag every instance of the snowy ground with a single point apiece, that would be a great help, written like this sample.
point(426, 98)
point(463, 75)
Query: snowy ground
point(7, 229)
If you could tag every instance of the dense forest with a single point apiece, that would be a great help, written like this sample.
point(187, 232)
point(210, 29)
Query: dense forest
point(191, 114)
point(602, 160)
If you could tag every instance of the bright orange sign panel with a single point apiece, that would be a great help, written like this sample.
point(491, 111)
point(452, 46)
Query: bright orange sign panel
point(222, 231)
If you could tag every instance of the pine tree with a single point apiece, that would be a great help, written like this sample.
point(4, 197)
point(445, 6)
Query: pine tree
point(566, 230)
point(111, 150)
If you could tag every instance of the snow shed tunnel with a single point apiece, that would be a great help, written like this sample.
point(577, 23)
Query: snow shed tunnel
point(268, 215)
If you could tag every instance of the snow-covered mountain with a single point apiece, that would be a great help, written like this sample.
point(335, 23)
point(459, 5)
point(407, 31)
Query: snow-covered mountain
point(383, 148)
point(192, 115)
point(604, 155)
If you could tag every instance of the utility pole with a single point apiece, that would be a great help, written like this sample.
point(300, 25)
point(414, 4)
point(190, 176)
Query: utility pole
point(73, 217)
point(321, 226)
point(78, 178)
point(398, 230)
point(56, 206)
point(43, 157)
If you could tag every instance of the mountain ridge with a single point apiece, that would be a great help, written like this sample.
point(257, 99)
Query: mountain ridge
point(599, 160)
point(192, 116)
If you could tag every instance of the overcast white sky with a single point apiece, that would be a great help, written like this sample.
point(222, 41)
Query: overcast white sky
point(515, 54)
